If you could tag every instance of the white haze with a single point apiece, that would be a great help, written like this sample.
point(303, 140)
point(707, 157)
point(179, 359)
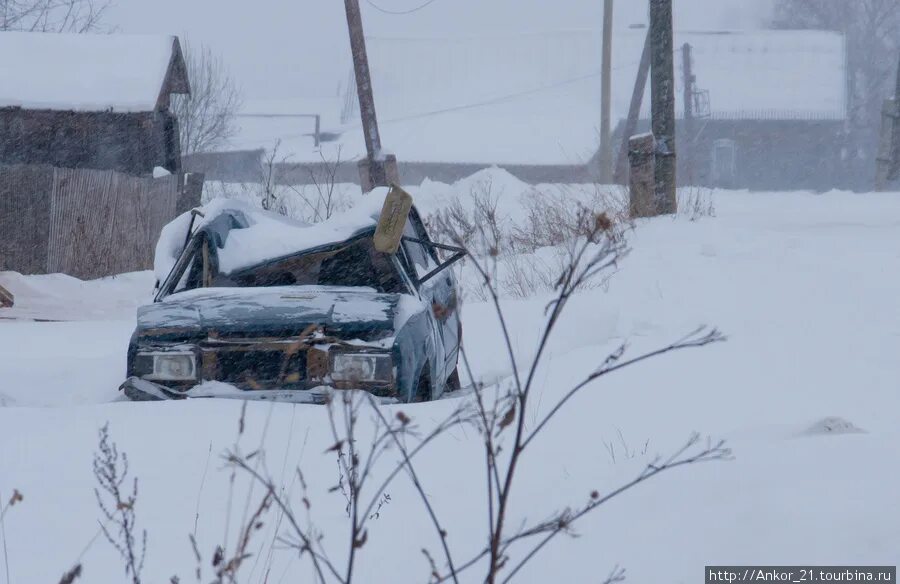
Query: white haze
point(279, 49)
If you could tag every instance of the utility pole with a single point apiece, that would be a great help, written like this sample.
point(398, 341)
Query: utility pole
point(634, 112)
point(662, 93)
point(377, 170)
point(888, 159)
point(606, 150)
point(689, 81)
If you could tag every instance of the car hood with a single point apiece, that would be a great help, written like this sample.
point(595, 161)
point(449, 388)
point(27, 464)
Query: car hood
point(350, 313)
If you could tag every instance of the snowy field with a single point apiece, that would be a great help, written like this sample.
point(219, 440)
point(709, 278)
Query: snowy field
point(805, 391)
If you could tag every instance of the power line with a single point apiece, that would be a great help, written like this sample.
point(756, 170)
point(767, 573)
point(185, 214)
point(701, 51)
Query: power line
point(399, 12)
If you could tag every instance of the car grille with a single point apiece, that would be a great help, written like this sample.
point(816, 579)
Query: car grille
point(257, 369)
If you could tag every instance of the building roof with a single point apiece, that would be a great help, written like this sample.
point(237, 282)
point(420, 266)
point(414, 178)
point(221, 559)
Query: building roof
point(86, 72)
point(535, 98)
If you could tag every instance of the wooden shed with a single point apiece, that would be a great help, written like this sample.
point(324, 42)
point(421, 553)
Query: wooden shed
point(91, 101)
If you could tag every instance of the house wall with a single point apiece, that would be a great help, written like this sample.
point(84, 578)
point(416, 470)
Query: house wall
point(25, 218)
point(768, 154)
point(134, 143)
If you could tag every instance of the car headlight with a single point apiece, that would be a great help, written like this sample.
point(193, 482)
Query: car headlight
point(171, 366)
point(362, 367)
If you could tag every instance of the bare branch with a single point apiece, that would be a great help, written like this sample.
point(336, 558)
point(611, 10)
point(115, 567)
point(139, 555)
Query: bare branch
point(206, 117)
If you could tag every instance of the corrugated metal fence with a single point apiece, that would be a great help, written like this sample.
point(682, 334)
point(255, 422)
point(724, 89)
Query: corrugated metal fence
point(85, 223)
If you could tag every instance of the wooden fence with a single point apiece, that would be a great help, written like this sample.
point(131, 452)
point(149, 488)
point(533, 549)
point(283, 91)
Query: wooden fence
point(85, 223)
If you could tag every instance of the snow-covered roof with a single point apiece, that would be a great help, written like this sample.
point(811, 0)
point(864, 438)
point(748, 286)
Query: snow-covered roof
point(86, 72)
point(535, 98)
point(763, 74)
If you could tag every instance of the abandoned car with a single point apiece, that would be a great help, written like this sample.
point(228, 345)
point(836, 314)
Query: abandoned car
point(253, 305)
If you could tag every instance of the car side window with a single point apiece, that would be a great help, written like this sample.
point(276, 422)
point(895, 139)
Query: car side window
point(192, 274)
point(415, 252)
point(422, 234)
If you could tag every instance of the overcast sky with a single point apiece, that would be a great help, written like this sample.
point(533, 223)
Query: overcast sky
point(285, 48)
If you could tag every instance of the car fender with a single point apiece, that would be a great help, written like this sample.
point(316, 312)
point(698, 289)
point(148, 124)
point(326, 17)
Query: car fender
point(413, 348)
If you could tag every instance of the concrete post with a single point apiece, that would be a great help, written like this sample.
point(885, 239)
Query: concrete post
point(642, 191)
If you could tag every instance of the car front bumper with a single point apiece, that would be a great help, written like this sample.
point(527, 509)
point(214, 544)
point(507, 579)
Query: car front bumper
point(138, 389)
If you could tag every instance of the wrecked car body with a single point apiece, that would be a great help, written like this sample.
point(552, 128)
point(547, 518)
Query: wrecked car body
point(363, 302)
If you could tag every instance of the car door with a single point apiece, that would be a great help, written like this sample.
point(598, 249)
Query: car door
point(443, 295)
point(419, 264)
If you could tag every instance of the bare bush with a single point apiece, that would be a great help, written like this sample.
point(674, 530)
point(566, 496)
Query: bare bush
point(206, 117)
point(320, 200)
point(78, 16)
point(530, 252)
point(621, 450)
point(71, 576)
point(560, 217)
point(117, 504)
point(479, 226)
point(696, 203)
point(15, 499)
point(327, 200)
point(268, 189)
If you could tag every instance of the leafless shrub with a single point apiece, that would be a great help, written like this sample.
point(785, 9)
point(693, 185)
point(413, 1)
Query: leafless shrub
point(480, 227)
point(268, 190)
point(15, 499)
point(118, 505)
point(312, 203)
point(326, 200)
point(206, 117)
point(523, 277)
point(78, 16)
point(356, 461)
point(507, 414)
point(621, 450)
point(72, 575)
point(557, 217)
point(696, 203)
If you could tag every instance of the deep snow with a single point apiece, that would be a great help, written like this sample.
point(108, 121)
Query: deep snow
point(804, 285)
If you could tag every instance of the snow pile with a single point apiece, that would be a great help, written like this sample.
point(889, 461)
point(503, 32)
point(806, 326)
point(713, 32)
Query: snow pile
point(62, 297)
point(804, 285)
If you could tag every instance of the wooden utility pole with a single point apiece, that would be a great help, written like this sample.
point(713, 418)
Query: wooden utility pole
point(662, 93)
point(688, 81)
point(888, 160)
point(378, 169)
point(634, 112)
point(606, 149)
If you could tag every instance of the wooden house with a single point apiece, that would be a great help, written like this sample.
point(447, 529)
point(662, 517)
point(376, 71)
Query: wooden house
point(90, 101)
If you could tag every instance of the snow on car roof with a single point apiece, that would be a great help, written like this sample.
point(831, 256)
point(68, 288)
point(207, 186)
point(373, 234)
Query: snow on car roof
point(267, 236)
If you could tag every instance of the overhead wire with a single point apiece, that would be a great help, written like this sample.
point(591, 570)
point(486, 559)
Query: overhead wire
point(399, 12)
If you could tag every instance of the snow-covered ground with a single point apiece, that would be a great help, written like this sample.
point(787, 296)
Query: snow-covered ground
point(805, 286)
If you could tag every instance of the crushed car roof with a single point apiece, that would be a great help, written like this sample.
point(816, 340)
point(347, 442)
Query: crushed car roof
point(257, 236)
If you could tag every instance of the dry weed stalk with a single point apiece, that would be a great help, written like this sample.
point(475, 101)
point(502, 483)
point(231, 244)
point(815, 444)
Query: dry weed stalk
point(118, 505)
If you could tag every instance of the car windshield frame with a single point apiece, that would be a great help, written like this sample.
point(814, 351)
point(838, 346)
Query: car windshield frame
point(200, 239)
